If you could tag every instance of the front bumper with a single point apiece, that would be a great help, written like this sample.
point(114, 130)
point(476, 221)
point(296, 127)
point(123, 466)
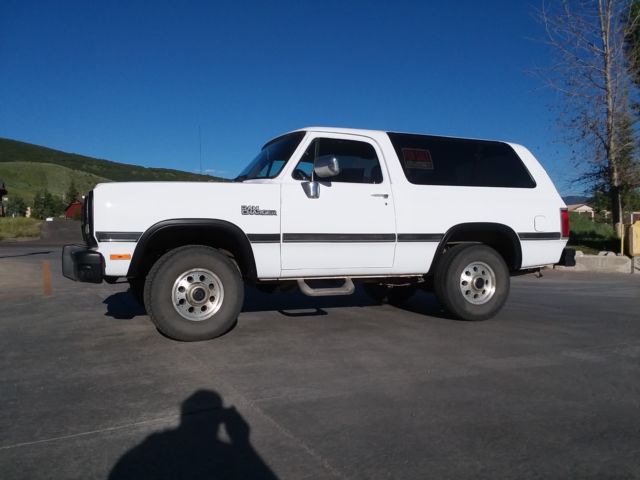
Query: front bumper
point(82, 264)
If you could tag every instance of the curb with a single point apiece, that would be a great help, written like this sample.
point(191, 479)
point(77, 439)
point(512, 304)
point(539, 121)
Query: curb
point(604, 262)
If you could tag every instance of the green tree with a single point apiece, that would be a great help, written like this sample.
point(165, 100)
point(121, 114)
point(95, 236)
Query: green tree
point(629, 167)
point(72, 192)
point(632, 41)
point(38, 205)
point(48, 210)
point(631, 188)
point(601, 200)
point(53, 206)
point(46, 205)
point(16, 207)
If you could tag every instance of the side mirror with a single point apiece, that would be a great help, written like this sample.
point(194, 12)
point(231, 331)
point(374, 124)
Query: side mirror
point(312, 189)
point(325, 167)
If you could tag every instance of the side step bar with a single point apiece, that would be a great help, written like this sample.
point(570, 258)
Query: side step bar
point(346, 289)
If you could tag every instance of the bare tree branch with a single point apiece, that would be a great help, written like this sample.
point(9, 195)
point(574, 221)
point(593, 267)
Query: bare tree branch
point(590, 69)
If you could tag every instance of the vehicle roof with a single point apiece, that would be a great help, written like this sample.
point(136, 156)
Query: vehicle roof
point(378, 133)
point(355, 131)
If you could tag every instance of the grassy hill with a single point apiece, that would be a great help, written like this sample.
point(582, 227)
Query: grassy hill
point(27, 168)
point(24, 179)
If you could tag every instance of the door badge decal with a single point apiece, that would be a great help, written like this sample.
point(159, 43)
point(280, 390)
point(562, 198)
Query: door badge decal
point(255, 210)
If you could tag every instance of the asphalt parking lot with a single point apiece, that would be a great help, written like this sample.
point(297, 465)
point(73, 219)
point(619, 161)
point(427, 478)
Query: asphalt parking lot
point(308, 388)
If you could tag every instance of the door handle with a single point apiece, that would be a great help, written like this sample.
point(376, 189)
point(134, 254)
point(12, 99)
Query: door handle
point(382, 195)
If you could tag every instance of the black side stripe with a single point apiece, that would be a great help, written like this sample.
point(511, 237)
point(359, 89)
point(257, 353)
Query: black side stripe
point(344, 237)
point(118, 236)
point(331, 237)
point(420, 237)
point(338, 237)
point(540, 235)
point(264, 237)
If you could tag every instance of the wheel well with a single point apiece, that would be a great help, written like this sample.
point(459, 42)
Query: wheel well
point(170, 234)
point(496, 235)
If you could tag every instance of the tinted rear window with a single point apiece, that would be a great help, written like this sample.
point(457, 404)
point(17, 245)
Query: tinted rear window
point(429, 160)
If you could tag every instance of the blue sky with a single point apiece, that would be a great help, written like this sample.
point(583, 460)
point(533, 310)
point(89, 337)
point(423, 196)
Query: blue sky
point(132, 81)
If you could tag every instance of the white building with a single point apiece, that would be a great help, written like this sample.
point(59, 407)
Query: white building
point(582, 208)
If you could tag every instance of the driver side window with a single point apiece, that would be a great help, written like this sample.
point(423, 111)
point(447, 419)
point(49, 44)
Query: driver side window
point(358, 160)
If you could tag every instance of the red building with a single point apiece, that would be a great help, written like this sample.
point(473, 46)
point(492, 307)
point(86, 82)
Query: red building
point(73, 210)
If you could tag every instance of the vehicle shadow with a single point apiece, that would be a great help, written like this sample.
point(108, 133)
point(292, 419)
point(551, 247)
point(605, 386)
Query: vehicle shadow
point(123, 306)
point(195, 450)
point(294, 304)
point(425, 303)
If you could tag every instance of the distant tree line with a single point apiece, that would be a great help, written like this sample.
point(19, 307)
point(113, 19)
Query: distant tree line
point(16, 207)
point(45, 204)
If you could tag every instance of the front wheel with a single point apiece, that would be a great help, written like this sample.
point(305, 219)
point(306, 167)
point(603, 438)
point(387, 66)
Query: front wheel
point(472, 281)
point(194, 293)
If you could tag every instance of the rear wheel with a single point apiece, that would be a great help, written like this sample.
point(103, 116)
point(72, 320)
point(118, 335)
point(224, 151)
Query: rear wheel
point(194, 293)
point(472, 281)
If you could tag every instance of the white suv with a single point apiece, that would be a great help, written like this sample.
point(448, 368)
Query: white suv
point(393, 211)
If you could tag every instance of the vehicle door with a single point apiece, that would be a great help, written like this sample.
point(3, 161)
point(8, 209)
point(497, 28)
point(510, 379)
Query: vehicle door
point(350, 226)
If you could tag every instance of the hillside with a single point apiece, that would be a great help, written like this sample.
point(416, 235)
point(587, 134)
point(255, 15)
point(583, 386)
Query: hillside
point(26, 168)
point(24, 179)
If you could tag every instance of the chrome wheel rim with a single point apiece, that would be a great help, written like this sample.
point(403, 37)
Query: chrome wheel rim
point(197, 294)
point(477, 283)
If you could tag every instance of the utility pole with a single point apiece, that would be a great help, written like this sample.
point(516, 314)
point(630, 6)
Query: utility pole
point(200, 146)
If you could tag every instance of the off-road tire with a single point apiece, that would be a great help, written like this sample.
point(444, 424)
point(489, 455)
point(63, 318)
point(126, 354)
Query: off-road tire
point(160, 285)
point(451, 271)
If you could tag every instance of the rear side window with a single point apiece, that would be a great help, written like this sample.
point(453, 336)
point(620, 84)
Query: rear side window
point(429, 160)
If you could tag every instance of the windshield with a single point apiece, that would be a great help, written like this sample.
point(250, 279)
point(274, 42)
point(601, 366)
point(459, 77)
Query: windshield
point(272, 158)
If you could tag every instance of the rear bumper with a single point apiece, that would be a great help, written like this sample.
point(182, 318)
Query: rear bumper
point(82, 264)
point(568, 257)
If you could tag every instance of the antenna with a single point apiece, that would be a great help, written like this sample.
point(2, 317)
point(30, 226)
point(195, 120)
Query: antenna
point(200, 146)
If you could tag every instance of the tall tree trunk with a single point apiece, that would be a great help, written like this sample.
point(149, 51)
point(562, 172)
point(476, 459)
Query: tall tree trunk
point(616, 208)
point(605, 14)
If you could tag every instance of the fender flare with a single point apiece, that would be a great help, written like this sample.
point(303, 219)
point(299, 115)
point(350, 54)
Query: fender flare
point(241, 241)
point(471, 227)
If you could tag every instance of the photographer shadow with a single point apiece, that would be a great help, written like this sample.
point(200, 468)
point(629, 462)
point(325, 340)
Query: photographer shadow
point(194, 449)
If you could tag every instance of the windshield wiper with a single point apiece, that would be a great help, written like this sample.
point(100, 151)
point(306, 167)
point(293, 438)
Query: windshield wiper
point(240, 178)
